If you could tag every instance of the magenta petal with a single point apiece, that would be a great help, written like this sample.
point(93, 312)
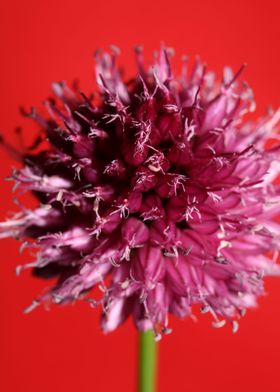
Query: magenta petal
point(116, 313)
point(135, 232)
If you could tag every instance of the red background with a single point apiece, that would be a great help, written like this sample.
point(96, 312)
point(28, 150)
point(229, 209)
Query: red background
point(63, 350)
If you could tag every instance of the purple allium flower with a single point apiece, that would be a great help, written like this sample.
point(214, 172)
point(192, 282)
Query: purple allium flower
point(158, 192)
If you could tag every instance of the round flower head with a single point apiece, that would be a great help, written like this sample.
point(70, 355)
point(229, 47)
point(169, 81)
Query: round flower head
point(157, 192)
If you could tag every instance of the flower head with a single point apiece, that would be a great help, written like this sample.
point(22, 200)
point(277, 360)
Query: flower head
point(158, 192)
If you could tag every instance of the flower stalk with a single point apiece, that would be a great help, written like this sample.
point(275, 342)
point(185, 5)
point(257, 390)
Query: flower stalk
point(147, 362)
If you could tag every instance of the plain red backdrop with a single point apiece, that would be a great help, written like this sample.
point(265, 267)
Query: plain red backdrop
point(63, 349)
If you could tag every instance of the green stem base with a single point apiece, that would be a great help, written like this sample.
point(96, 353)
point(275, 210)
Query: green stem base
point(147, 362)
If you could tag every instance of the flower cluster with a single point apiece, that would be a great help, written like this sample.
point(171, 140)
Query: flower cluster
point(156, 192)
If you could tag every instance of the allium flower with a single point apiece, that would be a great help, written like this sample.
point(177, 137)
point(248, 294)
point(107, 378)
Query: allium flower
point(157, 192)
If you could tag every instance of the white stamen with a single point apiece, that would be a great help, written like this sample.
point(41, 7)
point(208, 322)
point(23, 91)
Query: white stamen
point(235, 326)
point(59, 195)
point(218, 324)
point(31, 307)
point(205, 309)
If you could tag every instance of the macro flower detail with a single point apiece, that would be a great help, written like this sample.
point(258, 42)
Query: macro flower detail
point(158, 193)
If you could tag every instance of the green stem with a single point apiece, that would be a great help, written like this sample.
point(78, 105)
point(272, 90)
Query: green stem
point(147, 362)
